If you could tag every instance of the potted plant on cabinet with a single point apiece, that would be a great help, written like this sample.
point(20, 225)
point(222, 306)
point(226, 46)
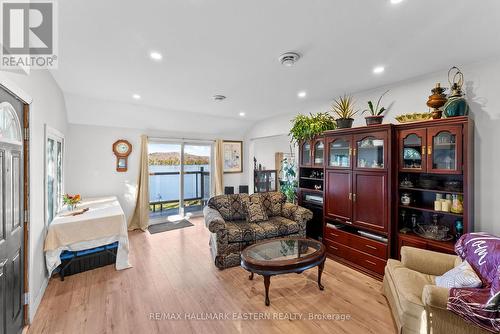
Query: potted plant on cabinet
point(343, 108)
point(306, 127)
point(376, 114)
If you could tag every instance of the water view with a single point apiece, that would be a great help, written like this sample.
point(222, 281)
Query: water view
point(165, 177)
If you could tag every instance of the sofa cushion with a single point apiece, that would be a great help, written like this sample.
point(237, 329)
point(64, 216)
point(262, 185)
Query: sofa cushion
point(408, 289)
point(254, 209)
point(272, 202)
point(231, 207)
point(242, 231)
point(462, 276)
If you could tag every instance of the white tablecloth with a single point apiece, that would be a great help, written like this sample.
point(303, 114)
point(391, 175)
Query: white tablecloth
point(103, 224)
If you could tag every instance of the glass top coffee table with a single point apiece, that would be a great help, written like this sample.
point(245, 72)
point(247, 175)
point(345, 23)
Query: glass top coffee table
point(283, 256)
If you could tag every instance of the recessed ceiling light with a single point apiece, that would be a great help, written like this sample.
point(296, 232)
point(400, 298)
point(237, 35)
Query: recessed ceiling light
point(218, 97)
point(155, 55)
point(395, 2)
point(242, 114)
point(302, 94)
point(136, 96)
point(378, 69)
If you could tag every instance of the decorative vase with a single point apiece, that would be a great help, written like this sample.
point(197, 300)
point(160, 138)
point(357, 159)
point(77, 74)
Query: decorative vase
point(437, 100)
point(456, 104)
point(71, 207)
point(374, 120)
point(344, 123)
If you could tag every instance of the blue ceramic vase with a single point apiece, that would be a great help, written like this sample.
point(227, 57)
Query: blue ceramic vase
point(456, 106)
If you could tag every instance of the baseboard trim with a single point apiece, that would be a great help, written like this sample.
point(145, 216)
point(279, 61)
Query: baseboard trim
point(33, 306)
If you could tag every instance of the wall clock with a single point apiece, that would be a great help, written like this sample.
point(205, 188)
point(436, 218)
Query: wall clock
point(122, 150)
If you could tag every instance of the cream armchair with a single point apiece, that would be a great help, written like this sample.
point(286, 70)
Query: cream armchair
point(417, 304)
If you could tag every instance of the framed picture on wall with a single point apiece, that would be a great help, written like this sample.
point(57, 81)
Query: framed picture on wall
point(233, 156)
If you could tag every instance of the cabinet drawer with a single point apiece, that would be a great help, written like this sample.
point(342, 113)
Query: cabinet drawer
point(337, 249)
point(367, 261)
point(372, 247)
point(337, 235)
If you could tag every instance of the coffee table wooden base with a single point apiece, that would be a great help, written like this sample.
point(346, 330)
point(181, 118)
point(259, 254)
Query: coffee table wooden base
point(267, 280)
point(283, 256)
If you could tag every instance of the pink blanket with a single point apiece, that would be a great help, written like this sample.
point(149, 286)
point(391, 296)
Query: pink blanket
point(479, 306)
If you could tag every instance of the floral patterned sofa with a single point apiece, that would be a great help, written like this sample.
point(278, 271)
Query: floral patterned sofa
point(239, 220)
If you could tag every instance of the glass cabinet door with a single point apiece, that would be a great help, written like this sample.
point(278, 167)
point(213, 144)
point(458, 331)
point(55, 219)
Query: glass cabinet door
point(306, 153)
point(319, 152)
point(370, 152)
point(412, 149)
point(445, 150)
point(339, 153)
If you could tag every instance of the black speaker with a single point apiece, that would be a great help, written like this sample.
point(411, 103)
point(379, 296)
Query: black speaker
point(228, 190)
point(243, 190)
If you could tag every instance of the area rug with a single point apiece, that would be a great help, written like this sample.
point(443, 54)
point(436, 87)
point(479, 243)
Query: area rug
point(163, 227)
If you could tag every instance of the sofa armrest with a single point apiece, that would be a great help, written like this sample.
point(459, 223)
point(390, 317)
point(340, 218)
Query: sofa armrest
point(213, 220)
point(435, 296)
point(296, 213)
point(427, 262)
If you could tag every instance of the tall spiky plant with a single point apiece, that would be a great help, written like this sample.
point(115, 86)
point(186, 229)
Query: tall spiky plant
point(343, 107)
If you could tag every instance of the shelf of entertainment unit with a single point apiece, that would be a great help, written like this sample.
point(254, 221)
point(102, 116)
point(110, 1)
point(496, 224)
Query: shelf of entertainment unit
point(431, 244)
point(430, 210)
point(311, 178)
point(432, 190)
point(311, 190)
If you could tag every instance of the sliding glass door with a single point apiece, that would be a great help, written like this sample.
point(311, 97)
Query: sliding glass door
point(197, 166)
point(179, 178)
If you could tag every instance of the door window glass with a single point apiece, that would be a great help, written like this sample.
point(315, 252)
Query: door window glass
point(444, 155)
point(339, 153)
point(412, 146)
point(370, 153)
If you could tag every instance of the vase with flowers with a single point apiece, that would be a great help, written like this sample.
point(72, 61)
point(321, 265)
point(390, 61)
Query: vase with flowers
point(71, 201)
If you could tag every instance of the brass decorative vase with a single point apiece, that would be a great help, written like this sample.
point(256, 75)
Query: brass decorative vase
point(437, 100)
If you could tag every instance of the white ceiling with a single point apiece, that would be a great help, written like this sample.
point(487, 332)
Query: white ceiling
point(231, 47)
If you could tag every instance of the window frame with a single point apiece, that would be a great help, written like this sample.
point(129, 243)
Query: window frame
point(58, 137)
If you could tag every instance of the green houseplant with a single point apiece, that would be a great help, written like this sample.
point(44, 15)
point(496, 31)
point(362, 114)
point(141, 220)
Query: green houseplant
point(307, 126)
point(376, 114)
point(288, 183)
point(343, 108)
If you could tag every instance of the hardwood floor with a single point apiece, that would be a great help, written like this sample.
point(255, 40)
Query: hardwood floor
point(173, 276)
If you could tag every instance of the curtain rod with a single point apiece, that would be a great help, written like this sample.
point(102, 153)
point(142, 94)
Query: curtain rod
point(181, 139)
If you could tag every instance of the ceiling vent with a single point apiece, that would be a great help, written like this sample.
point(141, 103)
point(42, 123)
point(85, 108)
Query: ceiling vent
point(289, 58)
point(219, 97)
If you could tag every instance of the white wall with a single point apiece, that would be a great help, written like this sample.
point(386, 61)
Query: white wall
point(482, 83)
point(47, 107)
point(91, 164)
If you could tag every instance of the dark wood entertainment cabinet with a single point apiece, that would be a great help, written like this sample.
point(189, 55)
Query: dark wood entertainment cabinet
point(359, 174)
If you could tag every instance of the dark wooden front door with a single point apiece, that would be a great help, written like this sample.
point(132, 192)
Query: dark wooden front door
point(338, 204)
point(11, 214)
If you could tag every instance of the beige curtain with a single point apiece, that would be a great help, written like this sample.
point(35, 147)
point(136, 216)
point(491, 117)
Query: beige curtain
point(219, 167)
point(140, 219)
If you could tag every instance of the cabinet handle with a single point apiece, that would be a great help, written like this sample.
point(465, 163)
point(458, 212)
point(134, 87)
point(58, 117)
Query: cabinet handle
point(371, 262)
point(348, 222)
point(350, 196)
point(335, 235)
point(354, 197)
point(354, 151)
point(371, 247)
point(423, 150)
point(334, 248)
point(429, 150)
point(350, 151)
